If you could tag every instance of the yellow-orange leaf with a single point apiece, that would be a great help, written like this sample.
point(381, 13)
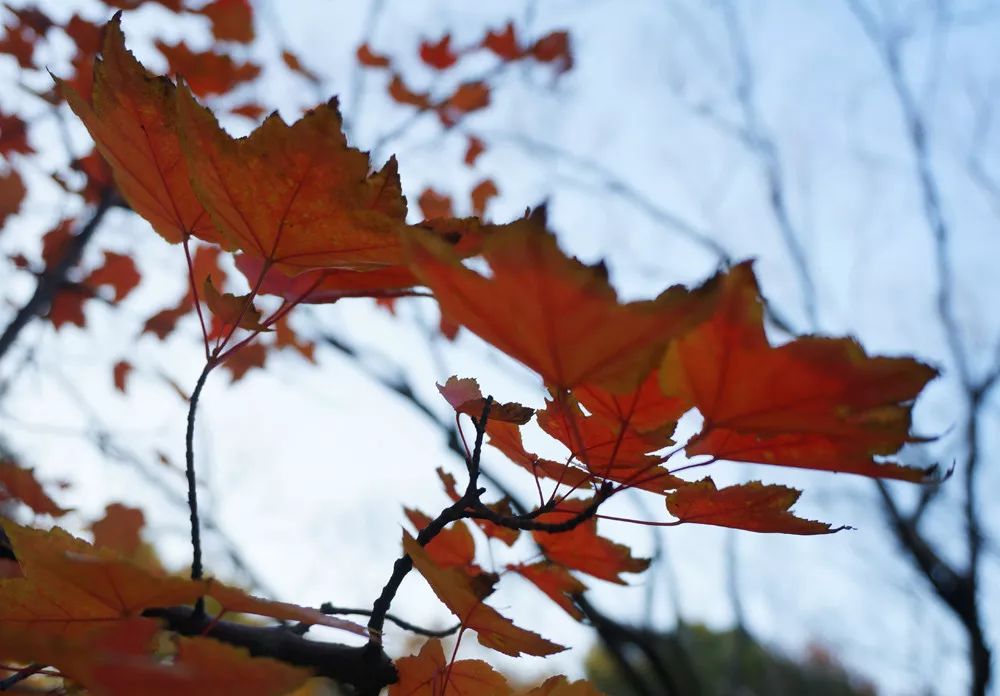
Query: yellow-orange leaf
point(202, 667)
point(556, 315)
point(561, 686)
point(231, 310)
point(453, 547)
point(610, 451)
point(457, 591)
point(132, 118)
point(297, 194)
point(506, 437)
point(555, 581)
point(583, 549)
point(753, 506)
point(20, 484)
point(429, 674)
point(70, 588)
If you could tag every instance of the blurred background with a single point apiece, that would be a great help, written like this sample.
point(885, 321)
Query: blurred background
point(851, 147)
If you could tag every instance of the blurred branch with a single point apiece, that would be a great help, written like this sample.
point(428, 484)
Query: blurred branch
point(762, 144)
point(53, 278)
point(959, 591)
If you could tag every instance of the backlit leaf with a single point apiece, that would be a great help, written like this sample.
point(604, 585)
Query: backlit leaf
point(556, 315)
point(297, 194)
point(583, 549)
point(753, 506)
point(132, 118)
point(18, 483)
point(465, 397)
point(456, 590)
point(429, 674)
point(815, 403)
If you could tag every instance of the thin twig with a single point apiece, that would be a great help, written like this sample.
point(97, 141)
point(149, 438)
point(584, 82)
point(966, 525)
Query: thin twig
point(328, 608)
point(196, 568)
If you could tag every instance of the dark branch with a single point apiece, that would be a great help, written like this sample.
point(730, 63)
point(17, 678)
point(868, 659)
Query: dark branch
point(360, 667)
point(53, 278)
point(328, 608)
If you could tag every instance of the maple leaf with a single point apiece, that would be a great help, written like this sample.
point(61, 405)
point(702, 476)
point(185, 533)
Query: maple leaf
point(556, 582)
point(556, 315)
point(132, 119)
point(609, 450)
point(118, 271)
point(250, 110)
point(490, 529)
point(201, 667)
point(297, 196)
point(67, 307)
point(249, 357)
point(481, 195)
point(13, 135)
point(12, 194)
point(206, 72)
point(85, 34)
point(554, 48)
point(370, 59)
point(231, 310)
point(753, 506)
point(120, 373)
point(473, 150)
point(18, 483)
point(467, 97)
point(583, 549)
point(402, 93)
point(504, 43)
point(293, 63)
point(506, 437)
point(645, 409)
point(435, 205)
point(325, 286)
point(438, 54)
point(815, 403)
point(561, 686)
point(453, 547)
point(119, 529)
point(465, 397)
point(72, 589)
point(232, 20)
point(429, 674)
point(457, 591)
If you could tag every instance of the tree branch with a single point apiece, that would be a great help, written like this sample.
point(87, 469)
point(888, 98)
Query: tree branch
point(53, 278)
point(361, 667)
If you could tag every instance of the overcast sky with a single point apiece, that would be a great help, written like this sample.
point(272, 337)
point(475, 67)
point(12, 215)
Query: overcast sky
point(308, 466)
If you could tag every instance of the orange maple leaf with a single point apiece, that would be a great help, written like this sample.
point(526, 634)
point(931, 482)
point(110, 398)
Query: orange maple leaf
point(201, 667)
point(465, 397)
point(232, 20)
point(206, 72)
point(752, 506)
point(295, 195)
point(815, 403)
point(18, 483)
point(583, 549)
point(132, 118)
point(457, 591)
point(556, 582)
point(556, 315)
point(430, 674)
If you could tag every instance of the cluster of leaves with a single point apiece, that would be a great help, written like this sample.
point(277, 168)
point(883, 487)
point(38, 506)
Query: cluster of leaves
point(308, 220)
